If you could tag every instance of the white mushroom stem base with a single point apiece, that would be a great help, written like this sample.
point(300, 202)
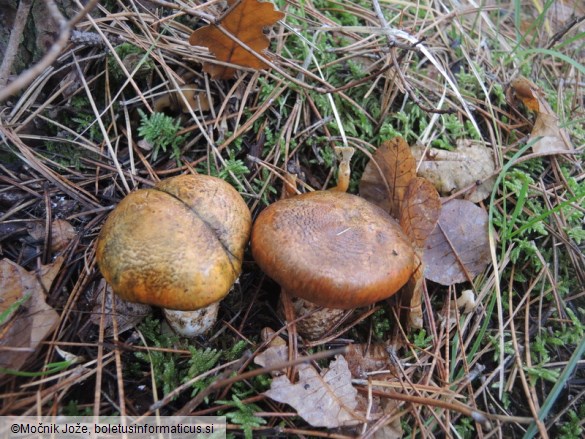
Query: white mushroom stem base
point(192, 323)
point(316, 321)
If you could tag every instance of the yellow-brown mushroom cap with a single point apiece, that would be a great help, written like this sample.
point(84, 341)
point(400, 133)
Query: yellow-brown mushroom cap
point(333, 249)
point(178, 245)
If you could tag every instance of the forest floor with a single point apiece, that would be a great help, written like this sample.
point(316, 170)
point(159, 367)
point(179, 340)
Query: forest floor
point(79, 134)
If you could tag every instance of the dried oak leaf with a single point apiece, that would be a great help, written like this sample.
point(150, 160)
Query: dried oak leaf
point(323, 400)
point(387, 175)
point(245, 21)
point(450, 171)
point(548, 136)
point(27, 319)
point(458, 248)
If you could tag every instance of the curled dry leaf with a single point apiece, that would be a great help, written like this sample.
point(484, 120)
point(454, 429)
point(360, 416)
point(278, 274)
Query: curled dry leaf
point(464, 304)
point(128, 314)
point(244, 20)
point(450, 171)
point(272, 355)
point(361, 361)
point(323, 400)
point(62, 233)
point(24, 291)
point(458, 248)
point(548, 136)
point(367, 360)
point(392, 430)
point(466, 301)
point(364, 359)
point(387, 175)
point(275, 353)
point(420, 210)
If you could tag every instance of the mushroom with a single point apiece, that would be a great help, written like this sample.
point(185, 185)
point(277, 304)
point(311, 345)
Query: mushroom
point(332, 249)
point(192, 98)
point(178, 246)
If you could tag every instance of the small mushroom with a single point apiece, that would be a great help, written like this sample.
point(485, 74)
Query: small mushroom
point(178, 246)
point(332, 249)
point(192, 98)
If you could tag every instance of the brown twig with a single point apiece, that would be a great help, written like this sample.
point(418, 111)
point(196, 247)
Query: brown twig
point(26, 77)
point(566, 28)
point(13, 42)
point(477, 415)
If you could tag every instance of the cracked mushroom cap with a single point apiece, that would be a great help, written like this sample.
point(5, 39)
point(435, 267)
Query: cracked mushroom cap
point(333, 249)
point(178, 245)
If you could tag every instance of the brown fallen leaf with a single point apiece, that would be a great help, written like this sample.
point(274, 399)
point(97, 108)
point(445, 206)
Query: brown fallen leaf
point(458, 248)
point(362, 361)
point(323, 400)
point(62, 233)
point(128, 314)
point(392, 430)
point(272, 355)
point(464, 304)
point(420, 210)
point(548, 136)
point(245, 20)
point(419, 214)
point(275, 353)
point(451, 171)
point(365, 358)
point(390, 182)
point(372, 360)
point(28, 319)
point(387, 175)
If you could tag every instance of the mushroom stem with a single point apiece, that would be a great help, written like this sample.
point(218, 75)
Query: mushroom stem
point(312, 321)
point(192, 323)
point(344, 154)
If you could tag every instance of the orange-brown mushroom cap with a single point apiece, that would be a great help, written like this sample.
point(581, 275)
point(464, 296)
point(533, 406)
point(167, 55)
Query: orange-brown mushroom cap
point(333, 249)
point(178, 245)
